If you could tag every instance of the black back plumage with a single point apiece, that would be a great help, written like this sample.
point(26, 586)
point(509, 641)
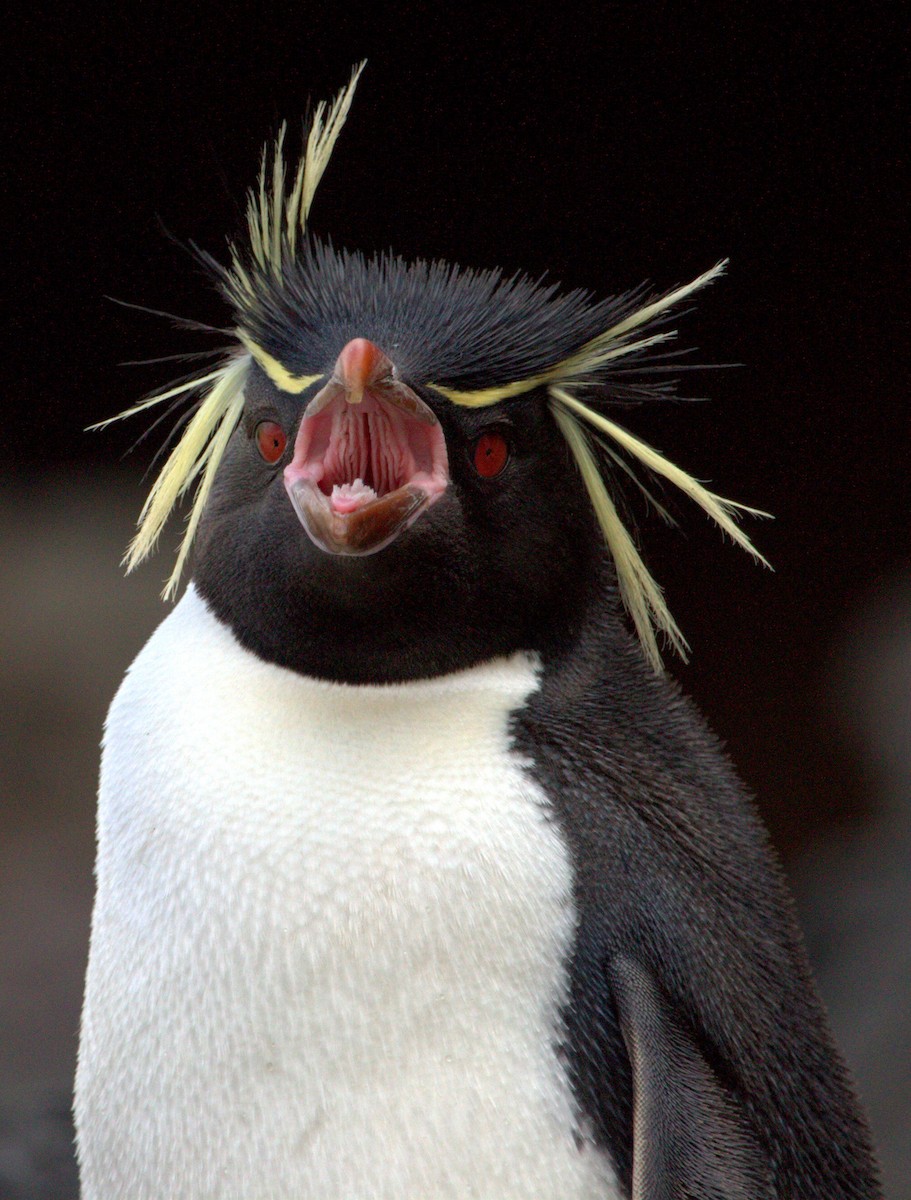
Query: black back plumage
point(674, 874)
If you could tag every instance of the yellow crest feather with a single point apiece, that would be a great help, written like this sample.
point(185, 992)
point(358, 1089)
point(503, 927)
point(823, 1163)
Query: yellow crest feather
point(723, 512)
point(199, 450)
point(274, 220)
point(596, 353)
point(641, 595)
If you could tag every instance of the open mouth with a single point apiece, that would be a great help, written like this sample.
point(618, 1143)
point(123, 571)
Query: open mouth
point(369, 458)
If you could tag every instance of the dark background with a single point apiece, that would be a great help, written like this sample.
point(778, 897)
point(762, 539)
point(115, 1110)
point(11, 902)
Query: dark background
point(601, 149)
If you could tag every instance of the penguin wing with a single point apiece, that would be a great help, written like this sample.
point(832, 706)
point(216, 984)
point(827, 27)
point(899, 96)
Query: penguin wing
point(690, 1135)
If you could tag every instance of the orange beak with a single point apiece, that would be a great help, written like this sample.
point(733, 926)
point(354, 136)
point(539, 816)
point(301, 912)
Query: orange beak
point(360, 364)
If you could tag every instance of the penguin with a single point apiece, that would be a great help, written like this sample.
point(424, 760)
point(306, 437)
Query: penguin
point(418, 877)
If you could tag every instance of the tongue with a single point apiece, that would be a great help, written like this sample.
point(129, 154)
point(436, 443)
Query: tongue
point(346, 497)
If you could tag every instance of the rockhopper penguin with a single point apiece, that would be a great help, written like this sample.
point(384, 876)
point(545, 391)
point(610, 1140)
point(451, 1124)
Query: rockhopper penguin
point(417, 878)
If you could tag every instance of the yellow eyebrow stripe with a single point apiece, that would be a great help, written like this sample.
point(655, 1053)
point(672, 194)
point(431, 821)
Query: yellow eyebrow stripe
point(280, 376)
point(491, 395)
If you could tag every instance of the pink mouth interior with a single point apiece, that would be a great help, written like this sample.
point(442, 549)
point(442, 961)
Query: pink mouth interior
point(373, 458)
point(358, 452)
point(347, 497)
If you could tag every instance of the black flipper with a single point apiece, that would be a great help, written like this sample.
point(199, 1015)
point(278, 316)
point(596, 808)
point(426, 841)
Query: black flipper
point(691, 1139)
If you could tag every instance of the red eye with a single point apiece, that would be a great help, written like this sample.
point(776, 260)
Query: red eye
point(491, 453)
point(271, 440)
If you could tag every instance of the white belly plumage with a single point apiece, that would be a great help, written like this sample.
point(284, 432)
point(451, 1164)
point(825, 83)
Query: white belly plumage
point(329, 942)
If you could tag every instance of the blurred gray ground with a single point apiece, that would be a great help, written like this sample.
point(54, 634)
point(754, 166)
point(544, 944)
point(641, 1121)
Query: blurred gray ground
point(855, 892)
point(69, 626)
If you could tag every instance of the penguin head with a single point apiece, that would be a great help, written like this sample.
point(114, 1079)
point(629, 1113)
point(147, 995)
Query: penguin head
point(362, 525)
point(404, 468)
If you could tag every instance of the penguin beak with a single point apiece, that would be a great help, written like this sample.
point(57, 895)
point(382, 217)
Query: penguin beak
point(369, 457)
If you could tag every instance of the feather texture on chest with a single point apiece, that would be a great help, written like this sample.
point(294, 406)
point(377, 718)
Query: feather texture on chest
point(351, 905)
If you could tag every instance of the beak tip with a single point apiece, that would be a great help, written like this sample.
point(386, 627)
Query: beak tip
point(359, 364)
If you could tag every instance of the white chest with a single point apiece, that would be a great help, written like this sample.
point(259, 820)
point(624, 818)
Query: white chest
point(329, 942)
